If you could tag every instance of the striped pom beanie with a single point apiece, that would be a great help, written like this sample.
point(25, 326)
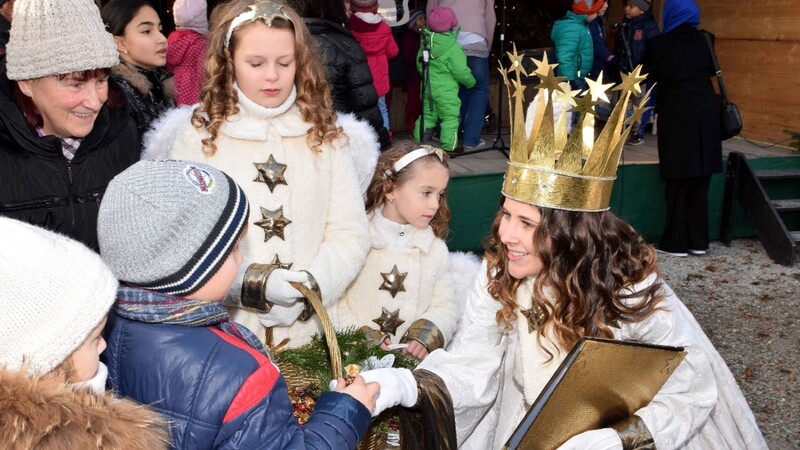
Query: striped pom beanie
point(168, 226)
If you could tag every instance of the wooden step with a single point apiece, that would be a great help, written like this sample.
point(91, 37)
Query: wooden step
point(788, 205)
point(795, 236)
point(789, 174)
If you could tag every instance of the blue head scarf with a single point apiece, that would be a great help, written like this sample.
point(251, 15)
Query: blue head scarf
point(679, 12)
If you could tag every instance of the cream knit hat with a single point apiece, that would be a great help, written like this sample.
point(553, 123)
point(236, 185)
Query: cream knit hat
point(56, 37)
point(191, 15)
point(54, 291)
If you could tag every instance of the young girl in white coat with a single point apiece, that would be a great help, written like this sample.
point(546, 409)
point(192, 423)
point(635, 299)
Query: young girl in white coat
point(265, 118)
point(404, 294)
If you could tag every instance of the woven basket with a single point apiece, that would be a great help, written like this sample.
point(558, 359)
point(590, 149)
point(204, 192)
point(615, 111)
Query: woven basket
point(295, 377)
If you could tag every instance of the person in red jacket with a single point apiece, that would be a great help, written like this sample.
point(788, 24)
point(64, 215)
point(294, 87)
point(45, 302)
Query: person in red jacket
point(375, 37)
point(186, 48)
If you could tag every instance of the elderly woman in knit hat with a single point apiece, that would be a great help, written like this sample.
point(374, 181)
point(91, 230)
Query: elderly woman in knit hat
point(64, 134)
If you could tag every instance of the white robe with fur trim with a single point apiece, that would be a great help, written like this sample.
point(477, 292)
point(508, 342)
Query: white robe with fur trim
point(494, 377)
point(328, 233)
point(428, 288)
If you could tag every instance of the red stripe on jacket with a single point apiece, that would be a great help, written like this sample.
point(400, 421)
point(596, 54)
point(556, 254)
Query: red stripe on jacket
point(257, 385)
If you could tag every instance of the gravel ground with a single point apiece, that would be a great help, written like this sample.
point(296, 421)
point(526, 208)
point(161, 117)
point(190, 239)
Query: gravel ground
point(750, 308)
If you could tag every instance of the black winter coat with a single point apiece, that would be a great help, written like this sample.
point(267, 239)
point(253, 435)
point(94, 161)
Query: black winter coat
point(348, 74)
point(689, 143)
point(40, 186)
point(148, 92)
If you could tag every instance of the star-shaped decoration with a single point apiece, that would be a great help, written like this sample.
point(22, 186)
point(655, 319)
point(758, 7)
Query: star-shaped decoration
point(566, 95)
point(278, 264)
point(267, 11)
point(638, 113)
point(519, 89)
point(534, 315)
point(550, 81)
point(631, 81)
point(585, 105)
point(516, 62)
point(597, 89)
point(543, 66)
point(270, 172)
point(393, 281)
point(389, 321)
point(273, 223)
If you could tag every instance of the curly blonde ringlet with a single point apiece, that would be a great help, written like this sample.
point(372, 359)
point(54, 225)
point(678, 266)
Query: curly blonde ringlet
point(386, 179)
point(218, 98)
point(588, 258)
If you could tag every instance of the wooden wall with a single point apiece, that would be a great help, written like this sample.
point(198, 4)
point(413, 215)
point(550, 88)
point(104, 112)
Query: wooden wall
point(758, 47)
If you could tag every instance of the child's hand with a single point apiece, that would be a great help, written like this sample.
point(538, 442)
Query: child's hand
point(386, 343)
point(416, 349)
point(365, 393)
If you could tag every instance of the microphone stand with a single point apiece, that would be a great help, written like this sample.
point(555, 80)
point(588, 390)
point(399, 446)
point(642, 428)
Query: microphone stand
point(425, 90)
point(498, 143)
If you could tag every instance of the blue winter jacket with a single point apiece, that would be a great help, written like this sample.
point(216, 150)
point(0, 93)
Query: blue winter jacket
point(573, 46)
point(218, 392)
point(635, 33)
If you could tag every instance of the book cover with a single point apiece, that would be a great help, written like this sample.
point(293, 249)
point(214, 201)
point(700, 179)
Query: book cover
point(600, 382)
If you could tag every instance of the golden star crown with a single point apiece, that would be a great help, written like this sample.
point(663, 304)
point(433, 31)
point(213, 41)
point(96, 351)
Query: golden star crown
point(550, 168)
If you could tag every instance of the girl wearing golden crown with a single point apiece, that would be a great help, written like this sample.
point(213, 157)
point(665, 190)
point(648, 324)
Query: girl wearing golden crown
point(558, 267)
point(265, 118)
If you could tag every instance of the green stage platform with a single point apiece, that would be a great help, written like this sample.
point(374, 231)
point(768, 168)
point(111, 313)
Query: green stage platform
point(638, 197)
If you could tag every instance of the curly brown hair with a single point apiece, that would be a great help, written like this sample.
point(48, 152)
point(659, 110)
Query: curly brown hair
point(386, 179)
point(218, 99)
point(587, 258)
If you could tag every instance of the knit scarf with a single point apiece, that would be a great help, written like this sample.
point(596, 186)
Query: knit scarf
point(154, 307)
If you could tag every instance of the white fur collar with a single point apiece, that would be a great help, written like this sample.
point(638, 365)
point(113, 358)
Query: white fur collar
point(385, 233)
point(369, 17)
point(253, 120)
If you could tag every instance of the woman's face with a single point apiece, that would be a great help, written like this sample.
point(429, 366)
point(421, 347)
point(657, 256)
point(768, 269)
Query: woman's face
point(142, 43)
point(68, 105)
point(265, 73)
point(517, 225)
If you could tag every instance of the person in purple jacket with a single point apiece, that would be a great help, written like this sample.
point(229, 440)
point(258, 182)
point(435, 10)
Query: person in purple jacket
point(170, 231)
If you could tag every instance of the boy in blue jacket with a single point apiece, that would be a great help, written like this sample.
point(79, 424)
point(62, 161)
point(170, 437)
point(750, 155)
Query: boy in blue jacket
point(170, 232)
point(637, 29)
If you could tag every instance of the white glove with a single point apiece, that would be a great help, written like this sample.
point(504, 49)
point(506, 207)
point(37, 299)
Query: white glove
point(279, 291)
point(281, 316)
point(602, 439)
point(398, 387)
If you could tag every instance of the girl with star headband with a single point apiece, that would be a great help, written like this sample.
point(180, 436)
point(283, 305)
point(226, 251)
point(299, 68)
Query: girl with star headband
point(404, 294)
point(265, 118)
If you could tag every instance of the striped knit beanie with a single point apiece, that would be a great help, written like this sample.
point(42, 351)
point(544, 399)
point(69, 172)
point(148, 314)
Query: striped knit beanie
point(168, 226)
point(53, 290)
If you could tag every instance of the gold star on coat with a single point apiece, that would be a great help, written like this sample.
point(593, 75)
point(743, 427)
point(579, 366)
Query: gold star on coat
point(278, 264)
point(534, 315)
point(393, 281)
point(273, 223)
point(270, 172)
point(389, 321)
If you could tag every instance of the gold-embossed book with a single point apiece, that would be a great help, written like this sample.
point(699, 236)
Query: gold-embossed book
point(600, 382)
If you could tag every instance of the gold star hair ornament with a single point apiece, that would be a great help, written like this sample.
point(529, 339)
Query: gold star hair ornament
point(546, 169)
point(265, 10)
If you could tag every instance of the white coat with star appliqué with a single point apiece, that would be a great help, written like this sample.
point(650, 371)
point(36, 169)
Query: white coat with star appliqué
point(328, 234)
point(428, 287)
point(493, 377)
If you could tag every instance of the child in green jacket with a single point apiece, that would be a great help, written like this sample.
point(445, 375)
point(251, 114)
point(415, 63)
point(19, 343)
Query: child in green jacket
point(447, 68)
